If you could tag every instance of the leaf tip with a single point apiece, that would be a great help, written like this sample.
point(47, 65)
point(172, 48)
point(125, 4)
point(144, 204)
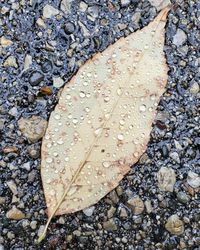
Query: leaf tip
point(162, 16)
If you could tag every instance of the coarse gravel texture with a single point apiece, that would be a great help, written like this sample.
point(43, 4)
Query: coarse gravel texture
point(38, 55)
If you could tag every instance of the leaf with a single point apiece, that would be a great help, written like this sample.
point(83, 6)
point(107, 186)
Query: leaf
point(102, 123)
point(160, 4)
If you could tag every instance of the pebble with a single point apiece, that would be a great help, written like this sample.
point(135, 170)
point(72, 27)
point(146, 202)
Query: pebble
point(159, 5)
point(174, 225)
point(27, 62)
point(10, 62)
point(41, 23)
point(2, 200)
point(65, 6)
point(5, 42)
point(33, 152)
point(183, 197)
point(89, 211)
point(2, 247)
point(125, 2)
point(193, 179)
point(148, 206)
point(110, 225)
point(13, 111)
point(136, 204)
point(83, 6)
point(194, 89)
point(123, 213)
point(33, 128)
point(69, 28)
point(166, 179)
point(58, 82)
point(33, 224)
point(49, 11)
point(175, 156)
point(179, 38)
point(15, 214)
point(12, 186)
point(35, 78)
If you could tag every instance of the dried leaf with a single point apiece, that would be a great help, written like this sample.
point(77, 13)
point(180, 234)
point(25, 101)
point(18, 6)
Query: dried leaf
point(160, 4)
point(102, 123)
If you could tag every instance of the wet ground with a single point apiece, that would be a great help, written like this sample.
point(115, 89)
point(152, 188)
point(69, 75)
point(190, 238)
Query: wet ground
point(41, 48)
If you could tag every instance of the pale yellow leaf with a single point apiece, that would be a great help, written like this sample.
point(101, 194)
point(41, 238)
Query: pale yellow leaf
point(102, 123)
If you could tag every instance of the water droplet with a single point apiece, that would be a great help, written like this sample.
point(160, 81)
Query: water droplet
point(60, 141)
point(107, 116)
point(55, 154)
point(48, 181)
point(122, 122)
point(106, 164)
point(82, 94)
point(89, 74)
point(57, 116)
point(85, 83)
point(68, 97)
point(87, 110)
point(106, 99)
point(146, 46)
point(120, 137)
point(52, 192)
point(49, 145)
point(119, 91)
point(66, 158)
point(142, 108)
point(98, 131)
point(49, 160)
point(75, 121)
point(72, 191)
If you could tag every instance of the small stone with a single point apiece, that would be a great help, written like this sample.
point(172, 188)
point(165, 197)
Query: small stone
point(83, 6)
point(5, 42)
point(46, 66)
point(125, 2)
point(35, 78)
point(46, 90)
point(69, 28)
point(179, 38)
point(123, 213)
point(58, 82)
point(89, 211)
point(136, 18)
point(12, 186)
point(65, 6)
point(15, 214)
point(69, 238)
point(77, 233)
point(33, 128)
point(175, 157)
point(166, 179)
point(194, 89)
point(10, 149)
point(10, 62)
point(174, 225)
point(110, 225)
point(33, 153)
point(111, 212)
point(49, 11)
point(27, 62)
point(160, 4)
point(33, 224)
point(113, 196)
point(148, 206)
point(183, 197)
point(193, 179)
point(40, 230)
point(13, 111)
point(2, 200)
point(136, 204)
point(41, 23)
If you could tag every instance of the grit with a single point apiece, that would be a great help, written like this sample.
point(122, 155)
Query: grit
point(157, 205)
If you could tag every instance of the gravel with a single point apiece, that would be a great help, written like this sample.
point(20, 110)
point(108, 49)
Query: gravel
point(43, 43)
